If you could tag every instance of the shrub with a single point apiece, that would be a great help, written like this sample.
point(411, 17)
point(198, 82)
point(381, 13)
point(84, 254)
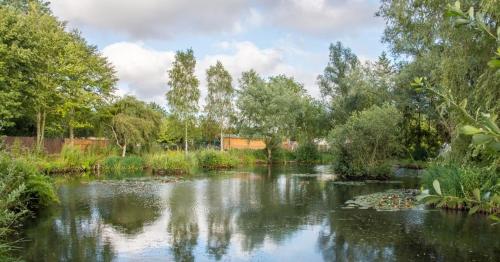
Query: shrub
point(244, 156)
point(173, 162)
point(363, 145)
point(213, 159)
point(281, 155)
point(22, 190)
point(307, 153)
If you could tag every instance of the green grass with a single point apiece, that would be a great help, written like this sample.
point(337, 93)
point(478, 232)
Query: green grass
point(119, 164)
point(171, 162)
point(215, 159)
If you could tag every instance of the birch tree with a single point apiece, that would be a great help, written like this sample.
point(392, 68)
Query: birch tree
point(184, 93)
point(219, 104)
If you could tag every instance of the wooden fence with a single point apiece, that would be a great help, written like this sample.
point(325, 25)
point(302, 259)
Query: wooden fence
point(231, 142)
point(52, 145)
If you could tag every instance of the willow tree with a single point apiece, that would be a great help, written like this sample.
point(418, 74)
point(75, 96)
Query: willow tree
point(219, 104)
point(184, 93)
point(133, 122)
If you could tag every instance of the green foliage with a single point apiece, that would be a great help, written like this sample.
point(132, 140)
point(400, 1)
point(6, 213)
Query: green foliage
point(212, 159)
point(269, 109)
point(471, 188)
point(184, 93)
point(307, 153)
point(364, 144)
point(460, 181)
point(22, 190)
point(49, 76)
point(133, 122)
point(248, 156)
point(119, 164)
point(219, 101)
point(172, 162)
point(334, 80)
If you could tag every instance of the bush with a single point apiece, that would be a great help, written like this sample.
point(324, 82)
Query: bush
point(307, 153)
point(173, 162)
point(120, 164)
point(281, 155)
point(213, 159)
point(22, 190)
point(366, 142)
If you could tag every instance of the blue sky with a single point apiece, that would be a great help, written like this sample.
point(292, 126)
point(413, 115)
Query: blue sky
point(273, 37)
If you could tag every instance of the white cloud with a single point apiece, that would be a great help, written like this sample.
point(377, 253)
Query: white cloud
point(143, 71)
point(154, 18)
point(326, 18)
point(157, 19)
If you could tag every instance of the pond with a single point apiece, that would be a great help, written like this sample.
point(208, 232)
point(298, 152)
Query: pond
point(282, 214)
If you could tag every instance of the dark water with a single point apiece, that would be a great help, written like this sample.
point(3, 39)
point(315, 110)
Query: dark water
point(247, 216)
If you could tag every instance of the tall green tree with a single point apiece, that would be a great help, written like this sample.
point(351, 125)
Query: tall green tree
point(184, 93)
point(89, 82)
point(36, 43)
point(268, 109)
point(219, 101)
point(333, 81)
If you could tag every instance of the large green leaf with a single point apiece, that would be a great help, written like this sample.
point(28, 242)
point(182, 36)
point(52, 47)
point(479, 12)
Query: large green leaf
point(469, 130)
point(481, 139)
point(437, 187)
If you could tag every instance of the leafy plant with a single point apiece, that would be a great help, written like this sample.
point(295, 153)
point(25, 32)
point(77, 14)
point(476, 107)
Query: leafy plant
point(212, 159)
point(362, 146)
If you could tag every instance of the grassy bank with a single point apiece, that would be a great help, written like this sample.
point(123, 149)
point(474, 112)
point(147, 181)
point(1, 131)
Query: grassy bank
point(108, 161)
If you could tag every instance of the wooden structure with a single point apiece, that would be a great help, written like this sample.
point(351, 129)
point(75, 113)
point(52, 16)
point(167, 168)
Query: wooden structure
point(233, 142)
point(236, 142)
point(53, 145)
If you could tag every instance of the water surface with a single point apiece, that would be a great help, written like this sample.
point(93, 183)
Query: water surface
point(283, 214)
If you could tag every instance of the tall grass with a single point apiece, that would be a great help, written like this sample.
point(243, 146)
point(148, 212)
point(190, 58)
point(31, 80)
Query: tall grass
point(215, 159)
point(118, 164)
point(171, 162)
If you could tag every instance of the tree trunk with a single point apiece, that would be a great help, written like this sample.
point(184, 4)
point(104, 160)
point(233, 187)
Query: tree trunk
point(269, 155)
point(221, 139)
point(185, 138)
point(71, 135)
point(124, 149)
point(71, 128)
point(40, 129)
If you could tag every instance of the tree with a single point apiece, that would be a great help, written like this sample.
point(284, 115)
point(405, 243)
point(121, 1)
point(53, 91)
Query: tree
point(219, 105)
point(366, 141)
point(268, 109)
point(333, 81)
point(133, 122)
point(90, 81)
point(184, 94)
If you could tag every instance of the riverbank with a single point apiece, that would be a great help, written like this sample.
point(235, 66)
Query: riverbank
point(101, 161)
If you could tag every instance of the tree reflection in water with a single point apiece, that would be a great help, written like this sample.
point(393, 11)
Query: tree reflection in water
point(183, 225)
point(286, 214)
